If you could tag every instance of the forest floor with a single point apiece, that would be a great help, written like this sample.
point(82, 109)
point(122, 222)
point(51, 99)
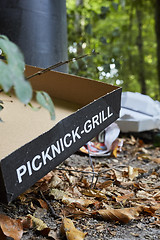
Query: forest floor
point(122, 201)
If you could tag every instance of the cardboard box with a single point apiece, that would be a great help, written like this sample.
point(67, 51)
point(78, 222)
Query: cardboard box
point(32, 144)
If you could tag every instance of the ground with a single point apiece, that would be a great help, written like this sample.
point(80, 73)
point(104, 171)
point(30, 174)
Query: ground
point(124, 189)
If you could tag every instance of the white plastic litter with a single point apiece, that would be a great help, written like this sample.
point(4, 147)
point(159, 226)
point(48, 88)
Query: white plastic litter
point(104, 143)
point(138, 113)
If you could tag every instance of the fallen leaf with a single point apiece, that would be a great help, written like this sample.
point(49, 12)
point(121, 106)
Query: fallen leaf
point(57, 194)
point(55, 181)
point(11, 227)
point(68, 229)
point(143, 156)
point(39, 224)
point(143, 195)
point(132, 172)
point(94, 193)
point(105, 184)
point(124, 197)
point(122, 215)
point(157, 160)
point(43, 203)
point(83, 202)
point(114, 152)
point(71, 179)
point(151, 210)
point(47, 177)
point(27, 222)
point(53, 235)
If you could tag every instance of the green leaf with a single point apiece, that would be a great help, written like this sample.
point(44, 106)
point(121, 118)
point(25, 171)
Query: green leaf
point(6, 77)
point(23, 90)
point(45, 101)
point(33, 108)
point(12, 71)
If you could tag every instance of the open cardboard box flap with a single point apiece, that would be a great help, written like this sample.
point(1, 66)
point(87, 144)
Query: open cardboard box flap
point(32, 144)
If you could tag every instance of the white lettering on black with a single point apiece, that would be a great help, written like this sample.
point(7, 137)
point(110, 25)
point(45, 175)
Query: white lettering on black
point(45, 156)
point(55, 149)
point(20, 172)
point(34, 167)
point(67, 144)
point(60, 145)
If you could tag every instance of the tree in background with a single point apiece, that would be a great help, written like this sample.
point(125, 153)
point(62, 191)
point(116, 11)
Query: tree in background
point(123, 32)
point(157, 29)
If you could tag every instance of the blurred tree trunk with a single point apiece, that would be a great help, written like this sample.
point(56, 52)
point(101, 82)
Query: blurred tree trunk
point(141, 69)
point(157, 30)
point(39, 28)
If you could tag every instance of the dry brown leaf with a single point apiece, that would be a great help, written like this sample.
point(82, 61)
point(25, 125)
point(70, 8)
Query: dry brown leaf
point(57, 194)
point(47, 177)
point(122, 215)
point(124, 197)
point(11, 227)
point(143, 156)
point(94, 193)
point(157, 160)
point(27, 222)
point(39, 224)
point(83, 202)
point(70, 179)
point(43, 203)
point(53, 235)
point(143, 195)
point(85, 181)
point(132, 172)
point(151, 210)
point(114, 152)
point(131, 141)
point(72, 211)
point(68, 229)
point(55, 181)
point(105, 184)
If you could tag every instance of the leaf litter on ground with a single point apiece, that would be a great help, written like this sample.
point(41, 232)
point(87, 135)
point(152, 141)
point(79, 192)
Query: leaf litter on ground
point(120, 194)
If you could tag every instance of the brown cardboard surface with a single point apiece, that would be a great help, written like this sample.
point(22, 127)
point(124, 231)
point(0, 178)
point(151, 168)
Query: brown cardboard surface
point(32, 144)
point(69, 87)
point(22, 123)
point(69, 93)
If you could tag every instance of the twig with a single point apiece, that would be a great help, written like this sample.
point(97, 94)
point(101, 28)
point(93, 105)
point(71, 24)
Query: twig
point(50, 207)
point(93, 172)
point(91, 164)
point(87, 172)
point(58, 65)
point(71, 170)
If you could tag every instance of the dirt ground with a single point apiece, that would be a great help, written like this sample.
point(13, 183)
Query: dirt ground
point(143, 227)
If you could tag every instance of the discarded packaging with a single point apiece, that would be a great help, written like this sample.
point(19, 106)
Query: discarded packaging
point(105, 142)
point(32, 144)
point(138, 113)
